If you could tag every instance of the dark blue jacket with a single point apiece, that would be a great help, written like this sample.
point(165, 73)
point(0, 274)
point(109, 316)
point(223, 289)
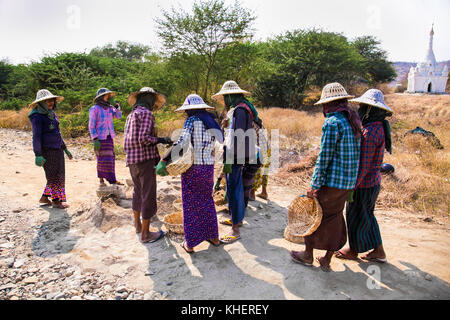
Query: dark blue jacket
point(46, 133)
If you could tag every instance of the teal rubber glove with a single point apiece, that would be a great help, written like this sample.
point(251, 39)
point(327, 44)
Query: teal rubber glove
point(350, 197)
point(227, 168)
point(111, 101)
point(97, 145)
point(39, 161)
point(68, 154)
point(161, 169)
point(217, 185)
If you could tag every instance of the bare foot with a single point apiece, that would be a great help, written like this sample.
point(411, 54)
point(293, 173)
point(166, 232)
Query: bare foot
point(118, 183)
point(252, 196)
point(302, 257)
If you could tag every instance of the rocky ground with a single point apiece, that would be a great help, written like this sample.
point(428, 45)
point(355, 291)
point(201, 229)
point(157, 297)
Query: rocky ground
point(91, 250)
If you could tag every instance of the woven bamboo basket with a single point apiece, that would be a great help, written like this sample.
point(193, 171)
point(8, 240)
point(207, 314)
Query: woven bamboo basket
point(219, 198)
point(304, 216)
point(178, 204)
point(182, 164)
point(174, 222)
point(289, 237)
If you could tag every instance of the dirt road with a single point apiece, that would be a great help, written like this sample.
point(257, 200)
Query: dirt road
point(91, 250)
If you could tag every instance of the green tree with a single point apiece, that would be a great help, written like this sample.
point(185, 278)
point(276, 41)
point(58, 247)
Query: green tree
point(294, 62)
point(122, 50)
point(210, 27)
point(377, 67)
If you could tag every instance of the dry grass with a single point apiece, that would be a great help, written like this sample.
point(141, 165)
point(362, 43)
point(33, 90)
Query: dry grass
point(298, 129)
point(15, 119)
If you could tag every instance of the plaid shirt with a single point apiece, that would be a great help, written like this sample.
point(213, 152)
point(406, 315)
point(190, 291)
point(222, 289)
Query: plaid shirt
point(338, 161)
point(195, 131)
point(140, 139)
point(101, 122)
point(372, 153)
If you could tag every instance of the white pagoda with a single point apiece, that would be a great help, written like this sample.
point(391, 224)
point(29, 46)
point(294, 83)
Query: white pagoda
point(428, 77)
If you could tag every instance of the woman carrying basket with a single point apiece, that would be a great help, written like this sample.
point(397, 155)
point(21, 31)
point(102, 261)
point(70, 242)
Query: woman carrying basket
point(334, 175)
point(200, 132)
point(363, 230)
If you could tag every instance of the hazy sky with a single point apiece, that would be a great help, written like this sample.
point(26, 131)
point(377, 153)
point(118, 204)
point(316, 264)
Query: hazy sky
point(31, 28)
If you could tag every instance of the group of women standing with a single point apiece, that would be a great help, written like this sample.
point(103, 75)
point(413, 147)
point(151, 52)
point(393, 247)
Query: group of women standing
point(347, 169)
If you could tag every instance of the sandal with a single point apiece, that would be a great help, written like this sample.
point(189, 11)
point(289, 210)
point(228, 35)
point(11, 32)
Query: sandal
point(161, 235)
point(229, 222)
point(229, 239)
point(340, 255)
point(184, 246)
point(376, 259)
point(296, 259)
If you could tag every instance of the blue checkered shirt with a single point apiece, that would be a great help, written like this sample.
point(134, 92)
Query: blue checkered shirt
point(338, 162)
point(195, 131)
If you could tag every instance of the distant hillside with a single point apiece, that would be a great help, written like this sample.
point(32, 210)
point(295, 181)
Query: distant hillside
point(402, 69)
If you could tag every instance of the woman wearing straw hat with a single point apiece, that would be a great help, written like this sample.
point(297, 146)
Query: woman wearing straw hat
point(49, 147)
point(101, 128)
point(241, 161)
point(199, 211)
point(334, 175)
point(363, 230)
point(140, 145)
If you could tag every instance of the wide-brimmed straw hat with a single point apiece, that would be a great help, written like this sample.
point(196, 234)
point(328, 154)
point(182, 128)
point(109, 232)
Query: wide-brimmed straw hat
point(229, 87)
point(43, 95)
point(193, 102)
point(160, 98)
point(375, 98)
point(332, 92)
point(103, 91)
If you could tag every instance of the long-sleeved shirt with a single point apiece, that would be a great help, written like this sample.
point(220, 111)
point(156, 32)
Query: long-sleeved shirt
point(46, 133)
point(372, 153)
point(101, 122)
point(140, 139)
point(202, 141)
point(241, 139)
point(338, 161)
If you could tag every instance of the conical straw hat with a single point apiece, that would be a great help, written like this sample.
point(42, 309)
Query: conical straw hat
point(43, 95)
point(193, 102)
point(102, 92)
point(160, 98)
point(375, 98)
point(229, 87)
point(333, 91)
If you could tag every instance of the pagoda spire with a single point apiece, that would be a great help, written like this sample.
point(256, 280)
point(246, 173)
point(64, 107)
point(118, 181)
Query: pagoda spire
point(430, 54)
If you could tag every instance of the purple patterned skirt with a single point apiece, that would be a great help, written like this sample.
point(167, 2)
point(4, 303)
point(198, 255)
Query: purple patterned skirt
point(199, 210)
point(54, 168)
point(106, 159)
